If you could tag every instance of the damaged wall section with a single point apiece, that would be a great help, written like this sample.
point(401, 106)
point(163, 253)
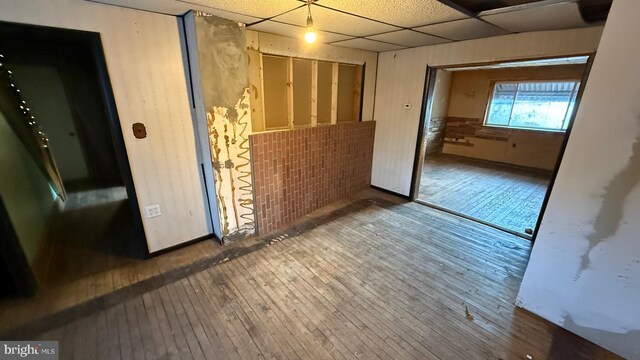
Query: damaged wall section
point(222, 59)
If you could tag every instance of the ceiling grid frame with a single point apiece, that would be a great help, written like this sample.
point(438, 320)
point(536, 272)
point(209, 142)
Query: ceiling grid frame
point(391, 25)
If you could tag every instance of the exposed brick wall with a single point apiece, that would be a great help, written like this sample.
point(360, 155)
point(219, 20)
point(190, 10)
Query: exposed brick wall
point(298, 171)
point(435, 136)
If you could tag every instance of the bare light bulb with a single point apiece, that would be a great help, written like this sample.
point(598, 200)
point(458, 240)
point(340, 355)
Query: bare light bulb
point(310, 36)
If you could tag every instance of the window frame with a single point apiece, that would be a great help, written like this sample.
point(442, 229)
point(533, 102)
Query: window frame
point(567, 118)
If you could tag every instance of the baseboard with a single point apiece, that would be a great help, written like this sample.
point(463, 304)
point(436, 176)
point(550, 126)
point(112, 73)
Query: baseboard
point(406, 197)
point(211, 236)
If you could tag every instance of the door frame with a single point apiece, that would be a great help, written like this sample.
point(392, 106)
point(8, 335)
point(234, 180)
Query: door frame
point(425, 118)
point(95, 46)
point(189, 45)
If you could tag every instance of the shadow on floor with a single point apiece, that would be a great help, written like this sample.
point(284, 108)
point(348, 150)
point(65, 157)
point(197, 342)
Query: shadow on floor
point(94, 233)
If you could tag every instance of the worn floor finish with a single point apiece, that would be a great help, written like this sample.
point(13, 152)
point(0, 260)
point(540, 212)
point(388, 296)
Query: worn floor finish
point(505, 196)
point(384, 281)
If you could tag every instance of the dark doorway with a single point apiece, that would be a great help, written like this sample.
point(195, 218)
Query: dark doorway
point(90, 223)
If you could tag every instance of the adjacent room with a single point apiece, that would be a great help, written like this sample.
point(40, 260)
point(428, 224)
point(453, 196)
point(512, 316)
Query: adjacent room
point(493, 136)
point(319, 179)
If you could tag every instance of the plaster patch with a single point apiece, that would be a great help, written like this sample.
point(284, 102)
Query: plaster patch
point(611, 211)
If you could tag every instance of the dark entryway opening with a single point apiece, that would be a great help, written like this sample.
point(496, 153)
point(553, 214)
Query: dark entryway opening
point(80, 217)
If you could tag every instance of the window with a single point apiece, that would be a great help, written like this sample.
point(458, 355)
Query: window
point(305, 92)
point(542, 105)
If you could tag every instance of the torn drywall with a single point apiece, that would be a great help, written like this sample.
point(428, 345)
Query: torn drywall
point(222, 58)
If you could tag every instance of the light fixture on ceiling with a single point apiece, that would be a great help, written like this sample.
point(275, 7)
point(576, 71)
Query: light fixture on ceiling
point(310, 35)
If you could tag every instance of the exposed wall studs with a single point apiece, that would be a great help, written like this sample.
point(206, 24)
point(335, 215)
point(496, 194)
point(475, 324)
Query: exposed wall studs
point(290, 92)
point(314, 93)
point(334, 93)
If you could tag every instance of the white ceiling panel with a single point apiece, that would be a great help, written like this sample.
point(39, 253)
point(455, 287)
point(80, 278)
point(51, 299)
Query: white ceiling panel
point(324, 19)
point(366, 44)
point(173, 7)
point(256, 8)
point(537, 18)
point(408, 38)
point(293, 31)
point(407, 13)
point(463, 29)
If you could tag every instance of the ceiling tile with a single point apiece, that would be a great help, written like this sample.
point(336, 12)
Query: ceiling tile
point(538, 18)
point(329, 20)
point(463, 29)
point(366, 44)
point(256, 8)
point(407, 13)
point(408, 38)
point(174, 7)
point(295, 31)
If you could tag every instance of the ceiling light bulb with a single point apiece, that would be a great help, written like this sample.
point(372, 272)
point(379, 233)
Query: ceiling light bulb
point(310, 36)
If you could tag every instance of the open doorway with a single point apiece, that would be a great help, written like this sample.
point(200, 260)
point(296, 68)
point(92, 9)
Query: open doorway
point(493, 136)
point(65, 181)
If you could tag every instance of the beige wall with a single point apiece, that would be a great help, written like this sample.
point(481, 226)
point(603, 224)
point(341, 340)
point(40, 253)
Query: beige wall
point(584, 271)
point(400, 80)
point(469, 96)
point(145, 65)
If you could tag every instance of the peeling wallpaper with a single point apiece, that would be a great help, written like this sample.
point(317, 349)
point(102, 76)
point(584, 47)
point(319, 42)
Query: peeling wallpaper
point(222, 58)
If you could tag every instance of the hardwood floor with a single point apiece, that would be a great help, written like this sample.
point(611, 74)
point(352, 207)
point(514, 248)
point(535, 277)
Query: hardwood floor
point(508, 197)
point(371, 277)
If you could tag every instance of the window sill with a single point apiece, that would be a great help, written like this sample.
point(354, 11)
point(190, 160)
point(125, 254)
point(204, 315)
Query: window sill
point(524, 129)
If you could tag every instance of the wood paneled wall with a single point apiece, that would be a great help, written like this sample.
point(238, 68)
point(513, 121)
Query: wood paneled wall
point(298, 171)
point(145, 65)
point(400, 80)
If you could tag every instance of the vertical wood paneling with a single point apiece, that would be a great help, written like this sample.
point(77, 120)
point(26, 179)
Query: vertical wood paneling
point(401, 80)
point(145, 65)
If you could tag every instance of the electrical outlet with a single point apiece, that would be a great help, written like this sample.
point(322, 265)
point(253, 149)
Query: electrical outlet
point(152, 211)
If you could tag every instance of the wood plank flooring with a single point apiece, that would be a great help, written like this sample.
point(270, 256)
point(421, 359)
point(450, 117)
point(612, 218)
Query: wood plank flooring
point(508, 197)
point(369, 278)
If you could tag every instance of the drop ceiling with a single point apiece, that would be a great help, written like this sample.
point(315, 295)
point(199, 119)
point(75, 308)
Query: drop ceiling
point(388, 24)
